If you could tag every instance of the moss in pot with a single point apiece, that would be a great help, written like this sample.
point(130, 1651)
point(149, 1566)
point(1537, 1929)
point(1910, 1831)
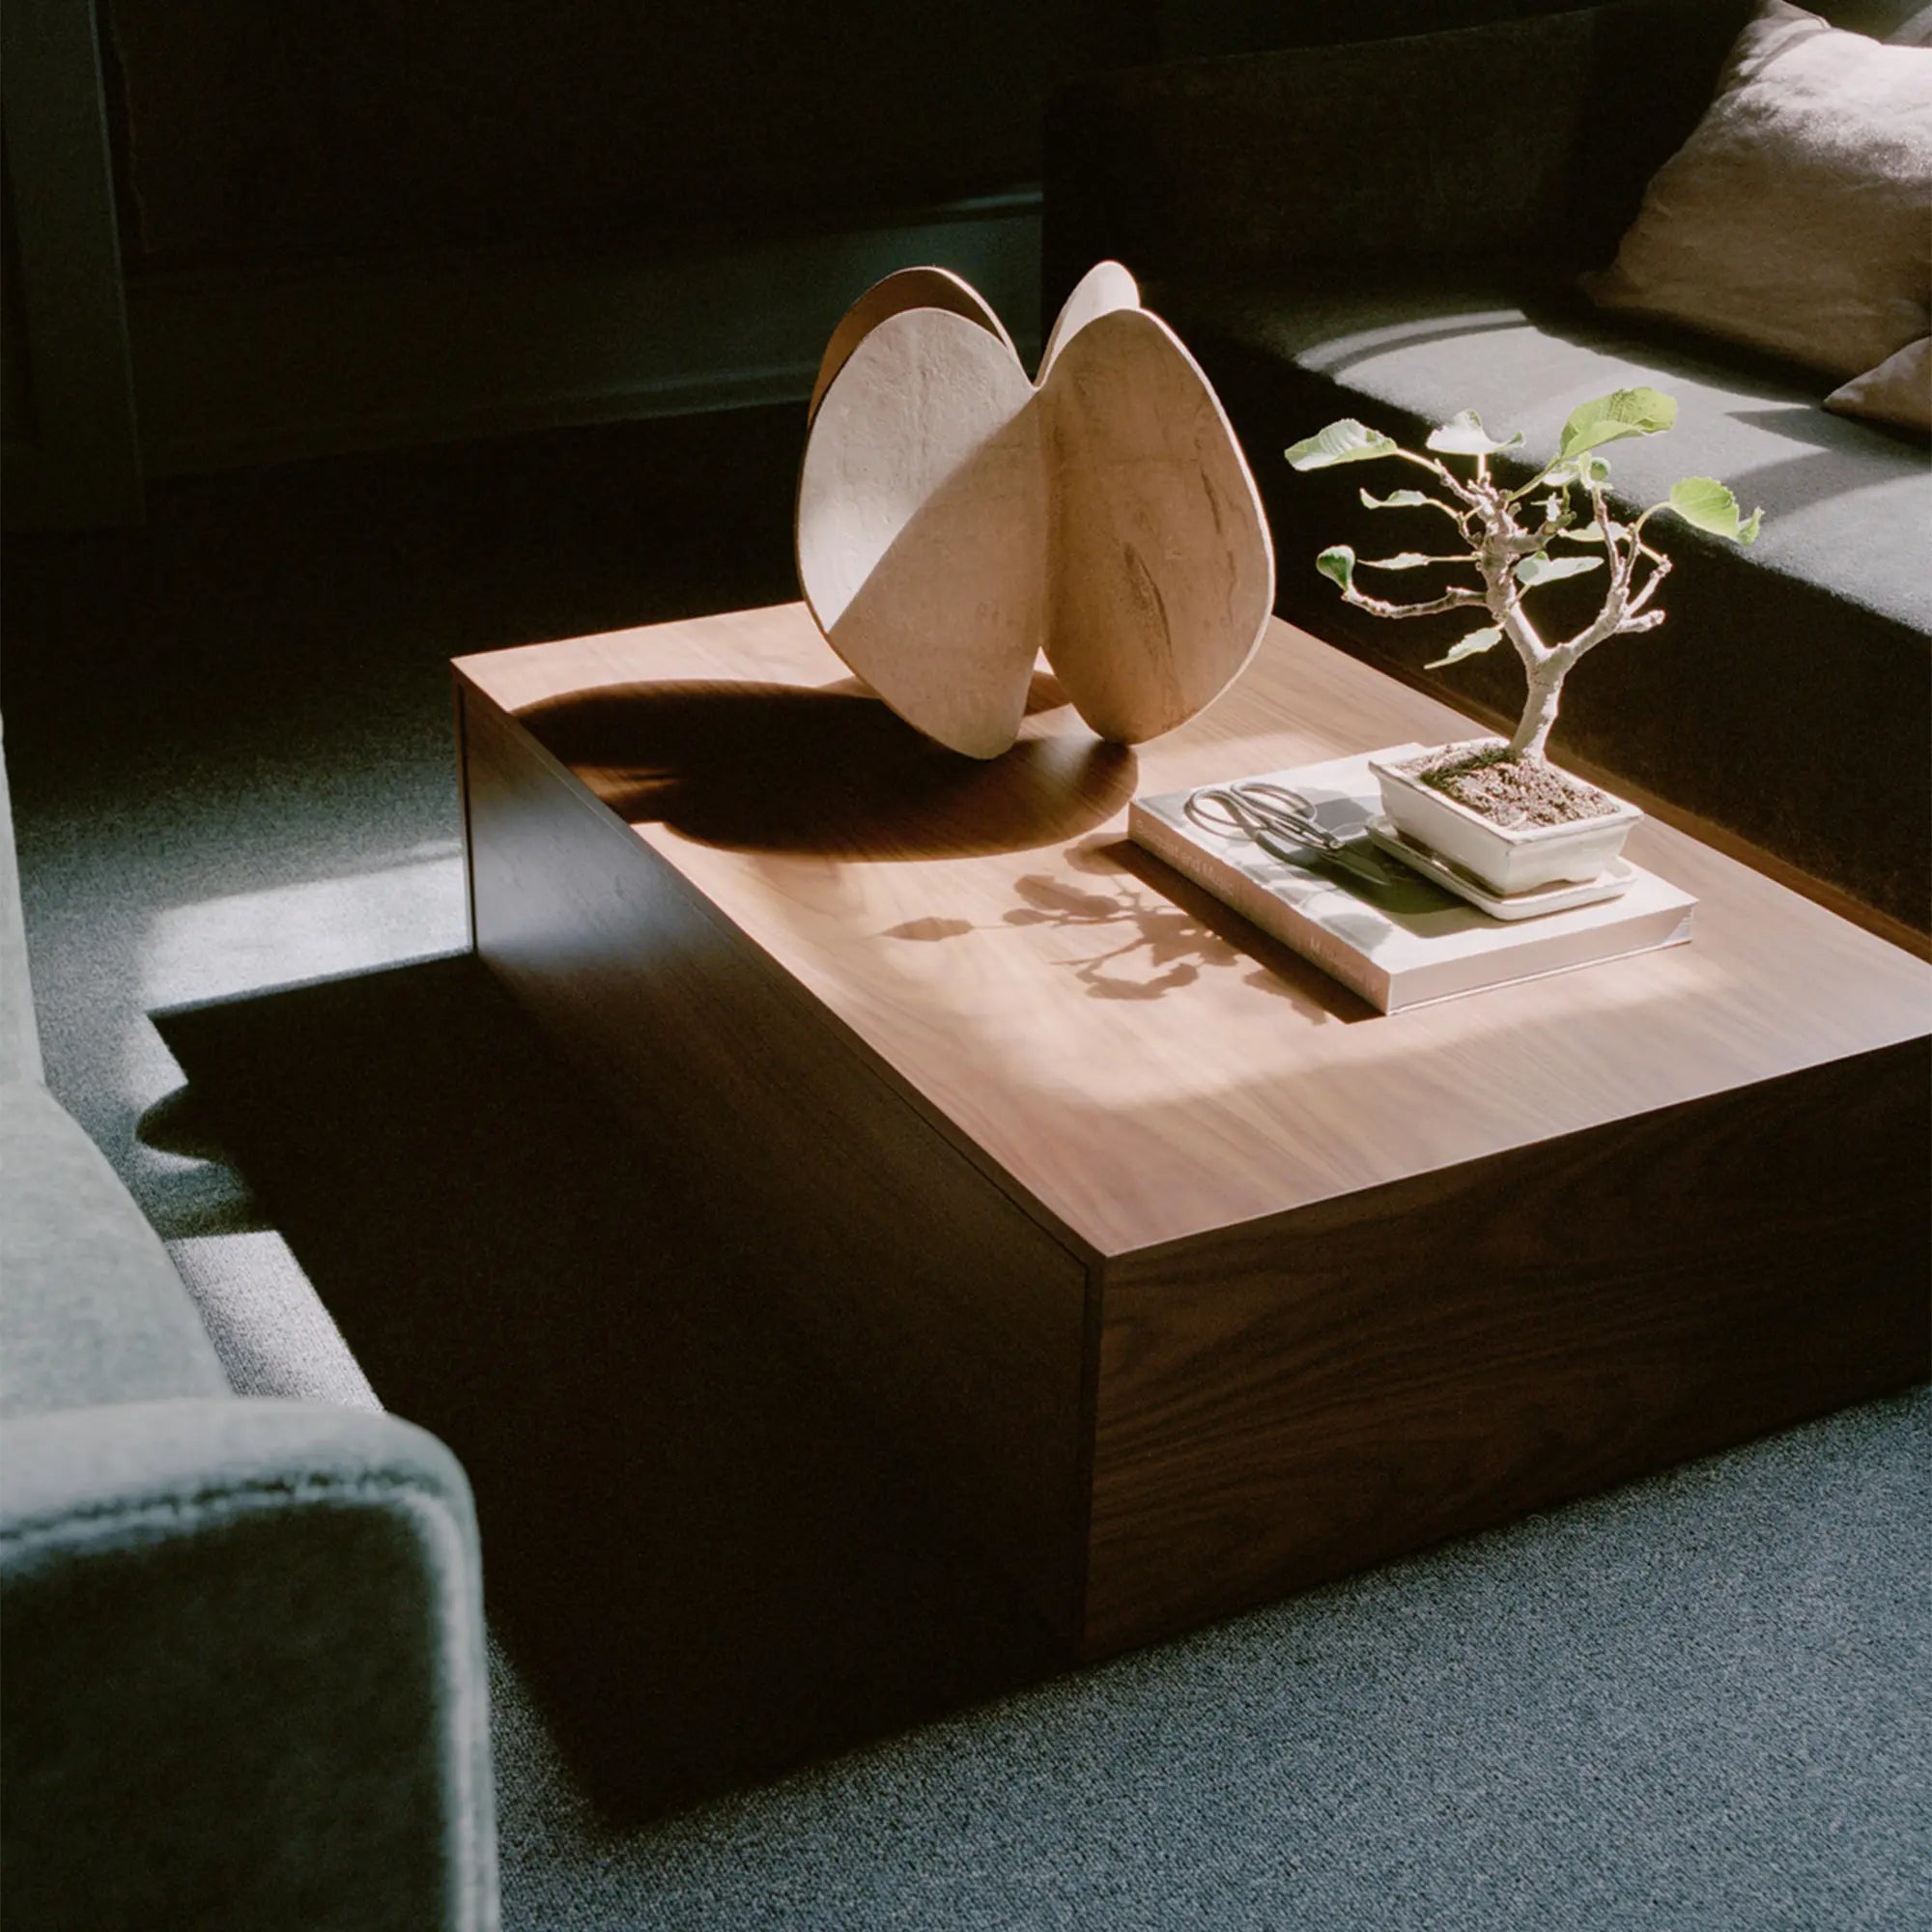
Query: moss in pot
point(1498, 807)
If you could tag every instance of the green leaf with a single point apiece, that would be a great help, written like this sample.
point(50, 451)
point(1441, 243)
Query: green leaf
point(1622, 413)
point(1396, 499)
point(1584, 470)
point(1464, 435)
point(1593, 532)
point(1705, 503)
point(1339, 564)
point(1475, 643)
point(1541, 569)
point(1344, 441)
point(1409, 559)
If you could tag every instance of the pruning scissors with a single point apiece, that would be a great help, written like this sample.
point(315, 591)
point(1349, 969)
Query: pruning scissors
point(1280, 821)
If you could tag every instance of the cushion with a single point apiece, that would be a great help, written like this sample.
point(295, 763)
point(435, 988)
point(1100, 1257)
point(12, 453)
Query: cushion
point(1899, 390)
point(1844, 510)
point(1794, 219)
point(90, 1308)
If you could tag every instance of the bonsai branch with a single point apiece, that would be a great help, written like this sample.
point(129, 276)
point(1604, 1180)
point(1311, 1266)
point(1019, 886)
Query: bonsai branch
point(1453, 600)
point(1449, 510)
point(1513, 555)
point(1660, 569)
point(1442, 473)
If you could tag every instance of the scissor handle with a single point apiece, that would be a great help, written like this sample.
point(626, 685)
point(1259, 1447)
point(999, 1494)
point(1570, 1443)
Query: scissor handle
point(1258, 806)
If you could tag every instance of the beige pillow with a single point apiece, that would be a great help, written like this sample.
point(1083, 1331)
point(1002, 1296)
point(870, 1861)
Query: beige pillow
point(1899, 390)
point(1797, 218)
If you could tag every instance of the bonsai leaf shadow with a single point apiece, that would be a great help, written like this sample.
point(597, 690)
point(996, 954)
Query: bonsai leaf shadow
point(1155, 933)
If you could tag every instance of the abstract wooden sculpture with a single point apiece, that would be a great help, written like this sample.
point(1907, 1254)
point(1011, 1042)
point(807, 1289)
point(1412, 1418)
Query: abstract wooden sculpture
point(956, 519)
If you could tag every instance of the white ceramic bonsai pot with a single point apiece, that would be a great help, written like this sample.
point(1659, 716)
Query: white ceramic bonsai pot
point(1507, 860)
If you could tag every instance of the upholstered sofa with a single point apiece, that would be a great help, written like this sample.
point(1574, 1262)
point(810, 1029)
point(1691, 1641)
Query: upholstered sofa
point(241, 1641)
point(1393, 231)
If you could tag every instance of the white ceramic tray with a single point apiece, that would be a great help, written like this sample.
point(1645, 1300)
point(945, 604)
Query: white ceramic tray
point(1559, 895)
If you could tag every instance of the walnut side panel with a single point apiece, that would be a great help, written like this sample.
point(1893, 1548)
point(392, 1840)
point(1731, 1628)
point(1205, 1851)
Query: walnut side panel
point(1281, 1405)
point(946, 1308)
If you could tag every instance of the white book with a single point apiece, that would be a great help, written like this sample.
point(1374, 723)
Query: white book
point(1376, 924)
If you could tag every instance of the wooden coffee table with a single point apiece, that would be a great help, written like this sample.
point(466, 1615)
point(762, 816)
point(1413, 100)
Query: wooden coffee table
point(1185, 1278)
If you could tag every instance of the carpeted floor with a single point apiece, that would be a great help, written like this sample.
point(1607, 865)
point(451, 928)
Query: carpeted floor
point(1697, 1702)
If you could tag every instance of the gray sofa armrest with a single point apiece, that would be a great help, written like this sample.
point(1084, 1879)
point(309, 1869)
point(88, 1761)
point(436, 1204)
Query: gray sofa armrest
point(90, 1308)
point(19, 1043)
point(1523, 136)
point(246, 1682)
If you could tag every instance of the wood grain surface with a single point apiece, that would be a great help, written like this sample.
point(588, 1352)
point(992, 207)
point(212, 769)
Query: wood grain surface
point(960, 1320)
point(955, 519)
point(1160, 569)
point(1182, 1276)
point(921, 504)
point(1292, 1400)
point(1104, 288)
point(1136, 1062)
point(893, 295)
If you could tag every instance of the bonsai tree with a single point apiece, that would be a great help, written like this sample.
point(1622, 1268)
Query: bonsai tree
point(1510, 538)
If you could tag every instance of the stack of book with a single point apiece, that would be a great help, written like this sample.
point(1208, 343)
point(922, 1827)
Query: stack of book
point(1377, 923)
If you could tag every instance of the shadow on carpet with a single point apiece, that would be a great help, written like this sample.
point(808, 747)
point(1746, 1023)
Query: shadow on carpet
point(706, 1563)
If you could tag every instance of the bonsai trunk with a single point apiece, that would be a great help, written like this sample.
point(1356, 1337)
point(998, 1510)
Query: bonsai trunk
point(1539, 713)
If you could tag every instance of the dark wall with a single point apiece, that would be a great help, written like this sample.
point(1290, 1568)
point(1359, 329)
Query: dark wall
point(1205, 27)
point(17, 395)
point(254, 132)
point(1196, 27)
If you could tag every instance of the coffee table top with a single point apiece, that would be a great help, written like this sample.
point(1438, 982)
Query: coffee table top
point(1137, 1058)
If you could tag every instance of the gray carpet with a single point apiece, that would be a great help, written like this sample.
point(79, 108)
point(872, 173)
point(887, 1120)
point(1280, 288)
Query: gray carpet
point(1697, 1702)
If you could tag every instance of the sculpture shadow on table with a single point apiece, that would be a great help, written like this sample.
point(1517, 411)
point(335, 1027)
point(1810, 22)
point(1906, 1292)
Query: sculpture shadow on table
point(707, 1564)
point(830, 770)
